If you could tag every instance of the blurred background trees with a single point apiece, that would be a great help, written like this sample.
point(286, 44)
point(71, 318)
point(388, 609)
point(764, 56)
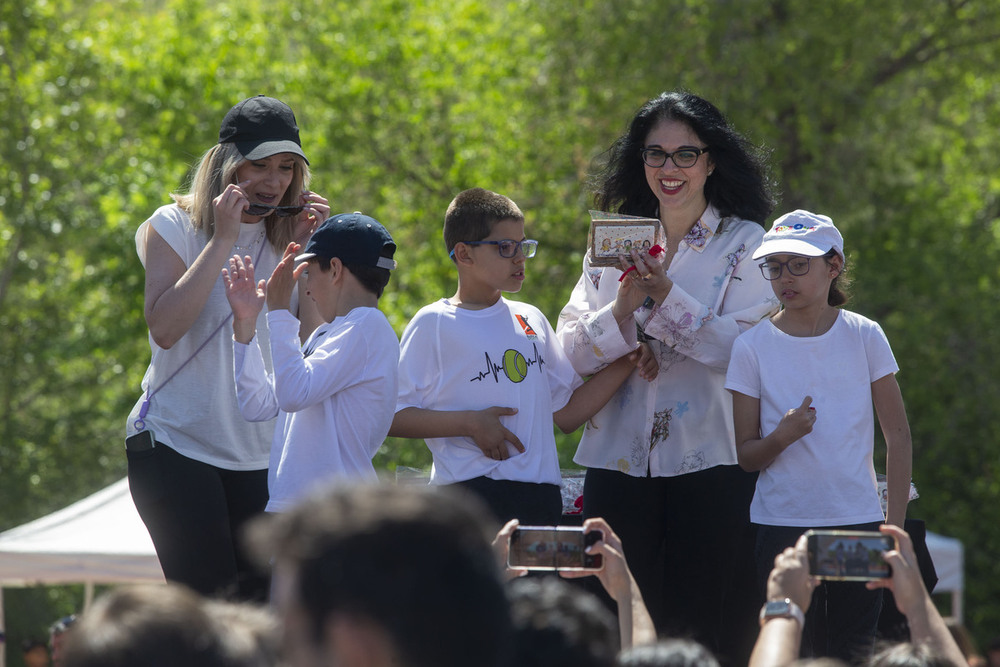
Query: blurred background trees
point(881, 115)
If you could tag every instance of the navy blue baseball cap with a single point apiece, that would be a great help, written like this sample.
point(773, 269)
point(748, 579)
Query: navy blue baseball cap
point(261, 126)
point(354, 238)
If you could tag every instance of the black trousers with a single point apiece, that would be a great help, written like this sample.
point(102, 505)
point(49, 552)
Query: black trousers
point(689, 543)
point(531, 504)
point(195, 513)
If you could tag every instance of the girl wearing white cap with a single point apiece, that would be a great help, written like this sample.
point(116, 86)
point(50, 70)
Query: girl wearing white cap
point(803, 385)
point(197, 470)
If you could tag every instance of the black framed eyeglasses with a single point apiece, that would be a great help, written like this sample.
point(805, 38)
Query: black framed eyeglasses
point(683, 157)
point(280, 211)
point(508, 247)
point(797, 266)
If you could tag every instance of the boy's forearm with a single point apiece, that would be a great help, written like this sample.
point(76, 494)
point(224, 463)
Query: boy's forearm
point(594, 394)
point(424, 423)
point(244, 330)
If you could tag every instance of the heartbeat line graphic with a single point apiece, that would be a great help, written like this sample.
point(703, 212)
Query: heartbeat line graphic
point(514, 367)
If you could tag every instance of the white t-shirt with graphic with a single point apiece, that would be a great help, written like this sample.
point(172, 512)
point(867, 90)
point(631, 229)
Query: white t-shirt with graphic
point(505, 355)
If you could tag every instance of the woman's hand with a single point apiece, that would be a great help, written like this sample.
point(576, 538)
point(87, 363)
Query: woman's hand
point(627, 300)
point(317, 209)
point(229, 208)
point(650, 275)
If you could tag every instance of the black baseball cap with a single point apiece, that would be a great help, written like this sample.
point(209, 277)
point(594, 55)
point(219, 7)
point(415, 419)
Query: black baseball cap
point(354, 238)
point(261, 126)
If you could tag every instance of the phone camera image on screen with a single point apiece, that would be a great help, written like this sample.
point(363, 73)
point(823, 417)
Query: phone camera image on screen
point(842, 555)
point(552, 548)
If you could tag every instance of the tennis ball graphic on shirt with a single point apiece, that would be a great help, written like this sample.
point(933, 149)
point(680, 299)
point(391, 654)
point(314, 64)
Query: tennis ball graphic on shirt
point(515, 366)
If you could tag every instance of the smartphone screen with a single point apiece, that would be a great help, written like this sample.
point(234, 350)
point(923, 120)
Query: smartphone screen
point(842, 555)
point(552, 548)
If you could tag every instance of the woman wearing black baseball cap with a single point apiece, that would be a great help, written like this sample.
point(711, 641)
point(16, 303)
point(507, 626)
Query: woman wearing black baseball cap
point(197, 470)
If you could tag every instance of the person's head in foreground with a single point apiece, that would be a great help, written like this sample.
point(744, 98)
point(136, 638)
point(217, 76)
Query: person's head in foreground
point(386, 575)
point(171, 626)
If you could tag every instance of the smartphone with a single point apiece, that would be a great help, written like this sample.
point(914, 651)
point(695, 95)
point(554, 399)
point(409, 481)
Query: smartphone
point(848, 555)
point(553, 548)
point(140, 442)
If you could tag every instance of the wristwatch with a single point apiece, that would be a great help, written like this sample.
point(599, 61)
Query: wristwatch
point(781, 609)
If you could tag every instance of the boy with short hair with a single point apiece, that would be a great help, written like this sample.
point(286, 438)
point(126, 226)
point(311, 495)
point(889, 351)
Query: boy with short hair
point(334, 396)
point(481, 378)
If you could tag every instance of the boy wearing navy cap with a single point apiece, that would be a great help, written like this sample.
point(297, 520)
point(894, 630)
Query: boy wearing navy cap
point(334, 396)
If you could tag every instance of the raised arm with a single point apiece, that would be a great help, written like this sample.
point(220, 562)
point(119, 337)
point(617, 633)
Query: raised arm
point(175, 294)
point(596, 327)
point(908, 590)
point(635, 625)
point(780, 637)
point(254, 387)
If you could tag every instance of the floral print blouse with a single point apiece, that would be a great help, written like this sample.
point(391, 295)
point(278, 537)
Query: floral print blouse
point(682, 421)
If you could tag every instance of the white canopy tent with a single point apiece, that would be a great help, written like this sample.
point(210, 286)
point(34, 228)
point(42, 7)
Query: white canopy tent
point(97, 540)
point(948, 555)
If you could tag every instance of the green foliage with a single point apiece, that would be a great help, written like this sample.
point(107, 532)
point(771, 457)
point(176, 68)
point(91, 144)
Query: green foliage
point(879, 114)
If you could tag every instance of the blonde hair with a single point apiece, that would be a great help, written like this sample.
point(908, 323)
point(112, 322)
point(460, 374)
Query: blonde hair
point(216, 169)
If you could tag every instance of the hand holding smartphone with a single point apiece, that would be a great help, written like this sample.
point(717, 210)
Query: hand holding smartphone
point(553, 548)
point(848, 555)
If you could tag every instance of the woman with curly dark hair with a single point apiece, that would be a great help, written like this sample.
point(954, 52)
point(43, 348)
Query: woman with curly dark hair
point(660, 457)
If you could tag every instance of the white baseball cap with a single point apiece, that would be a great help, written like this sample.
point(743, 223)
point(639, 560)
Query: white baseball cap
point(801, 233)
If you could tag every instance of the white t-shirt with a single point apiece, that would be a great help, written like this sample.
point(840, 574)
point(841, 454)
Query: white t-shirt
point(827, 477)
point(505, 355)
point(334, 398)
point(195, 413)
point(682, 421)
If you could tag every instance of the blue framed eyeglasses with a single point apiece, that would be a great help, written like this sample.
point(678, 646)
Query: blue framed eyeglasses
point(507, 247)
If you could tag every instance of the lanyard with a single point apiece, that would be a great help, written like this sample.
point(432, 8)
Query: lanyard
point(140, 423)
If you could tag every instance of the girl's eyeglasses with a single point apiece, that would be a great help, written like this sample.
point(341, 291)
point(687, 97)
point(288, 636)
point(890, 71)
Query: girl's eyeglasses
point(507, 247)
point(280, 211)
point(797, 266)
